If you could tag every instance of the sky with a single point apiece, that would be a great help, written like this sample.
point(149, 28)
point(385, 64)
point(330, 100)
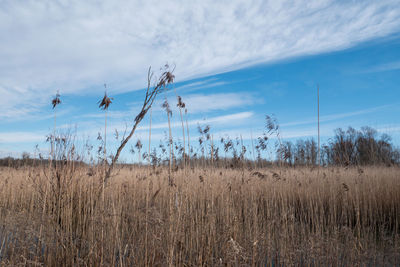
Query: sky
point(235, 62)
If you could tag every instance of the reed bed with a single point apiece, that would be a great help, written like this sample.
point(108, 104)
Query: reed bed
point(211, 217)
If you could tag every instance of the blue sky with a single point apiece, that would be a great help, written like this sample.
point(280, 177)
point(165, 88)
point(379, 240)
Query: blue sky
point(235, 63)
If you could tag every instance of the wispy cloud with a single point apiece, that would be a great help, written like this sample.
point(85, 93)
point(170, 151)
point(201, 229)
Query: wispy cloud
point(21, 137)
point(92, 129)
point(384, 67)
point(389, 129)
point(204, 86)
point(328, 131)
point(74, 45)
point(9, 153)
point(230, 119)
point(205, 103)
point(248, 134)
point(195, 85)
point(110, 114)
point(337, 116)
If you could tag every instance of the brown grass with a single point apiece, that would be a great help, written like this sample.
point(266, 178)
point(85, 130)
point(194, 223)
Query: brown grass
point(213, 217)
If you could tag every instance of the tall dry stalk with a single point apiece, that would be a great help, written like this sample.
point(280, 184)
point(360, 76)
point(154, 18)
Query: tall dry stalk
point(139, 146)
point(242, 154)
point(212, 152)
point(319, 140)
point(252, 148)
point(204, 137)
point(149, 157)
point(188, 136)
point(170, 144)
point(104, 105)
point(55, 102)
point(181, 105)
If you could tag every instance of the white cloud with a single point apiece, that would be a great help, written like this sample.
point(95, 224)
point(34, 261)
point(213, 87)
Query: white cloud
point(76, 46)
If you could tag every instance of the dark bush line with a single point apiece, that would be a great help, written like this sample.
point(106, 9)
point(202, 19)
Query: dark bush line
point(346, 148)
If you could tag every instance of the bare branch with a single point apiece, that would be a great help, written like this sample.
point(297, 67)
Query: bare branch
point(161, 85)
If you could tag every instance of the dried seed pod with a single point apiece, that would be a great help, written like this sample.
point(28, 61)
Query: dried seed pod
point(56, 100)
point(105, 102)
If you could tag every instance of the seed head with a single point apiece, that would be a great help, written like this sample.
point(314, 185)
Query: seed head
point(180, 103)
point(105, 102)
point(56, 100)
point(165, 105)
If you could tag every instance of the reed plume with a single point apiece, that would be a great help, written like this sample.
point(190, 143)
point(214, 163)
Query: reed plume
point(181, 105)
point(54, 102)
point(165, 105)
point(104, 105)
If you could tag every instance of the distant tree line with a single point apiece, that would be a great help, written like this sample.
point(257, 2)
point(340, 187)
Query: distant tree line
point(347, 147)
point(27, 160)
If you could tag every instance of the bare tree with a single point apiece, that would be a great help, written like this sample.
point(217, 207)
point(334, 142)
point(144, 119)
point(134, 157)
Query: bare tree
point(154, 87)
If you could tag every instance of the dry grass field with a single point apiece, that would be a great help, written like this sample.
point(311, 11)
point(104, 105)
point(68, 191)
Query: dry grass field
point(213, 217)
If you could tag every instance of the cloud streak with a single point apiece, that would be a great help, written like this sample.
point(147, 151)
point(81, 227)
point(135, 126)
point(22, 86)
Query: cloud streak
point(391, 66)
point(337, 116)
point(204, 103)
point(220, 120)
point(92, 129)
point(22, 137)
